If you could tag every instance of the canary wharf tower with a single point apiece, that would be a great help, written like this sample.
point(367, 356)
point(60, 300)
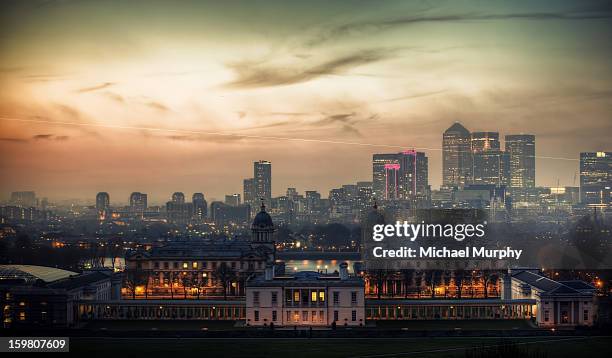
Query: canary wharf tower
point(456, 156)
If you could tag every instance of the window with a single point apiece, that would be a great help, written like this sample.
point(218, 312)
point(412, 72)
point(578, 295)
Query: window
point(256, 297)
point(214, 265)
point(353, 316)
point(305, 297)
point(586, 315)
point(335, 316)
point(546, 316)
point(274, 316)
point(156, 264)
point(204, 264)
point(274, 298)
point(336, 299)
point(233, 265)
point(296, 296)
point(194, 265)
point(175, 264)
point(256, 316)
point(313, 316)
point(321, 316)
point(185, 265)
point(22, 316)
point(288, 316)
point(305, 316)
point(354, 297)
point(321, 296)
point(313, 296)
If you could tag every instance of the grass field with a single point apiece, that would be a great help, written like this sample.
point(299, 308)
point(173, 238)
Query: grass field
point(590, 347)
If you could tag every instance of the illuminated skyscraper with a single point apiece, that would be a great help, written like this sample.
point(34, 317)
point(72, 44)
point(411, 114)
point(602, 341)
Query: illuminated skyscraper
point(102, 204)
point(200, 207)
point(383, 182)
point(262, 176)
point(249, 191)
point(490, 164)
point(400, 176)
point(24, 199)
point(456, 156)
point(596, 178)
point(521, 152)
point(232, 199)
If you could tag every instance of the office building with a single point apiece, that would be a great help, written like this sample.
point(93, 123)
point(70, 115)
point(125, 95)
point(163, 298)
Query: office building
point(596, 179)
point(456, 156)
point(521, 151)
point(262, 177)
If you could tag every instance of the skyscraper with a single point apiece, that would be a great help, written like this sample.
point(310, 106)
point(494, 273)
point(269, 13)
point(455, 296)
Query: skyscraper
point(596, 178)
point(383, 182)
point(200, 207)
point(262, 176)
point(24, 199)
point(249, 191)
point(232, 199)
point(178, 198)
point(102, 201)
point(402, 176)
point(490, 164)
point(456, 156)
point(521, 152)
point(138, 202)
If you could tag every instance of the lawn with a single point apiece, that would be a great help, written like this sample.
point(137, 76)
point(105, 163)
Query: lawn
point(296, 348)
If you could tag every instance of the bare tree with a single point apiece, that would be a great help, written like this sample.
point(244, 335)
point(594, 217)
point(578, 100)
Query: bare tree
point(225, 275)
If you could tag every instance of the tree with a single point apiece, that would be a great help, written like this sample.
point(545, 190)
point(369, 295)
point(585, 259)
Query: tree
point(407, 277)
point(225, 275)
point(114, 249)
point(133, 278)
point(433, 279)
point(378, 277)
point(185, 282)
point(459, 279)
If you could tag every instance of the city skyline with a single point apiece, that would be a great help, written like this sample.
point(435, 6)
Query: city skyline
point(137, 110)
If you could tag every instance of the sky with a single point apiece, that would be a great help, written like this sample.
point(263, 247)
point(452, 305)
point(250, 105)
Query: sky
point(160, 96)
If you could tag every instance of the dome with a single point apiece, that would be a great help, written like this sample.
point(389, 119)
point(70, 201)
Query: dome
point(262, 219)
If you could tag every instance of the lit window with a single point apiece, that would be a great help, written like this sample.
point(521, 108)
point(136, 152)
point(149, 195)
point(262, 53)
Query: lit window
point(322, 296)
point(185, 265)
point(194, 265)
point(313, 296)
point(22, 316)
point(296, 296)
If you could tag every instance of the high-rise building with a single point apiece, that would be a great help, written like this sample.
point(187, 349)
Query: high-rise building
point(456, 156)
point(383, 182)
point(249, 191)
point(24, 199)
point(200, 206)
point(490, 165)
point(102, 204)
point(521, 152)
point(178, 198)
point(596, 178)
point(262, 176)
point(400, 175)
point(138, 202)
point(232, 199)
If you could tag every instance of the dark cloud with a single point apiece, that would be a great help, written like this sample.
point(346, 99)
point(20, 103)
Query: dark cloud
point(59, 138)
point(258, 74)
point(369, 27)
point(95, 88)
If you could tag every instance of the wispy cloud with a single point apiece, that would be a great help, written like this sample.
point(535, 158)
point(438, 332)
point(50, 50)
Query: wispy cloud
point(95, 88)
point(370, 27)
point(257, 74)
point(59, 138)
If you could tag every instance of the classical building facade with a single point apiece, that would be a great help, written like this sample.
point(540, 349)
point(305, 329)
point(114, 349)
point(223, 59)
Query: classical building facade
point(201, 270)
point(305, 299)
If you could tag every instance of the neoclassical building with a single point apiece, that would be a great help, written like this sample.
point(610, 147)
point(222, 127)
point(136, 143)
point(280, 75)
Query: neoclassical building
point(210, 268)
point(306, 298)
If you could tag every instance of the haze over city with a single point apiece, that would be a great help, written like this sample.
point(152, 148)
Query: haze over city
point(73, 72)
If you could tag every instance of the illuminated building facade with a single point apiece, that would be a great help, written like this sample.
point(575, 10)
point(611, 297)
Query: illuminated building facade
point(490, 164)
point(456, 156)
point(596, 179)
point(262, 180)
point(400, 176)
point(305, 299)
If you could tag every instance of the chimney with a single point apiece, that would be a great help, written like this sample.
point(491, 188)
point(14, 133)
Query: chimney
point(269, 272)
point(344, 271)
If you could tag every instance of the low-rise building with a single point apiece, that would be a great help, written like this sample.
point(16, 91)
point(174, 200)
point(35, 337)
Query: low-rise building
point(305, 298)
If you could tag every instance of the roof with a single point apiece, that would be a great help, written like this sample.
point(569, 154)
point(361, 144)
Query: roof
point(306, 279)
point(224, 249)
point(85, 279)
point(262, 219)
point(457, 127)
point(449, 302)
point(550, 286)
point(33, 273)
